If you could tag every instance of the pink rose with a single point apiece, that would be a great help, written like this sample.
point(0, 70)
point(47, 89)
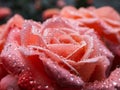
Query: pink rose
point(56, 54)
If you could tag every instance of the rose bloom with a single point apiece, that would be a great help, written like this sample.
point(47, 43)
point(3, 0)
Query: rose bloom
point(56, 55)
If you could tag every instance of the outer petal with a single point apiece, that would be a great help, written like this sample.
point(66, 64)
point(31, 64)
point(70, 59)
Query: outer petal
point(92, 69)
point(112, 83)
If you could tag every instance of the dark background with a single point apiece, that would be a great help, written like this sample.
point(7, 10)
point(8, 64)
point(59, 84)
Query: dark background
point(114, 3)
point(33, 9)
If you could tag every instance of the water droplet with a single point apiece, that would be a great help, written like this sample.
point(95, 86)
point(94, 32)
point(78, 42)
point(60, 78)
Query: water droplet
point(110, 85)
point(39, 87)
point(15, 49)
point(77, 81)
point(71, 78)
point(23, 78)
point(95, 85)
point(46, 86)
point(66, 75)
point(100, 49)
point(9, 56)
point(114, 83)
point(102, 86)
point(35, 30)
point(54, 67)
point(107, 86)
point(31, 82)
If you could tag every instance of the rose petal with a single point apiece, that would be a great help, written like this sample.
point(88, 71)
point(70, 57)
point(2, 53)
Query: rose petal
point(62, 76)
point(96, 68)
point(30, 33)
point(9, 82)
point(59, 49)
point(112, 83)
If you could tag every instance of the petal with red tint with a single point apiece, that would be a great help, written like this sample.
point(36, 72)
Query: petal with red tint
point(30, 34)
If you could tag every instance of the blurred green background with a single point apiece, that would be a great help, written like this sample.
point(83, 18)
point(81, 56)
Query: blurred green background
point(33, 9)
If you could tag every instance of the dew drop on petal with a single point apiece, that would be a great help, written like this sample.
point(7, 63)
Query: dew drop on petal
point(114, 83)
point(78, 82)
point(39, 87)
point(31, 82)
point(71, 78)
point(9, 56)
point(46, 86)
